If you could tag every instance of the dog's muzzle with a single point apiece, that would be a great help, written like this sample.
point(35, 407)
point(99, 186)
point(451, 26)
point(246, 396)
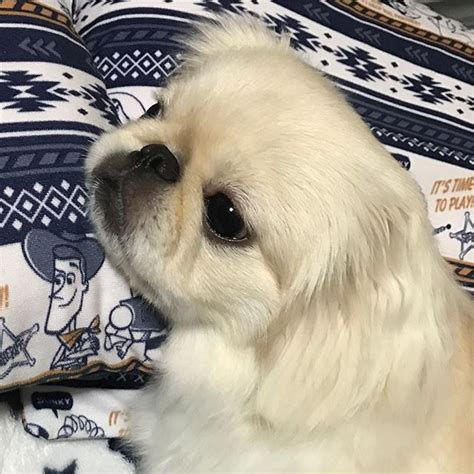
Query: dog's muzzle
point(125, 183)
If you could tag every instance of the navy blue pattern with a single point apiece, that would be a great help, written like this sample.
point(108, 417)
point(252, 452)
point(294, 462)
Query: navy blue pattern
point(54, 104)
point(41, 156)
point(400, 45)
point(137, 53)
point(72, 71)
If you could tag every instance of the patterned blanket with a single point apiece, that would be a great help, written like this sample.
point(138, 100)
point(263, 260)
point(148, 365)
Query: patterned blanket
point(21, 453)
point(70, 69)
point(73, 68)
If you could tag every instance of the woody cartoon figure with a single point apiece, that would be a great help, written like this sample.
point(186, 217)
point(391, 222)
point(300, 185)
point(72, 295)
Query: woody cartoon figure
point(68, 263)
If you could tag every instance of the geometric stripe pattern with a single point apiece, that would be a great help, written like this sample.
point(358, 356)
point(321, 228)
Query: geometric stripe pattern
point(414, 143)
point(138, 63)
point(46, 159)
point(42, 204)
point(32, 9)
point(457, 46)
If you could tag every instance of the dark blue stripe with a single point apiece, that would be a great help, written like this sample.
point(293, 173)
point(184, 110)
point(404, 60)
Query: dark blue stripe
point(418, 149)
point(43, 142)
point(51, 126)
point(123, 32)
point(132, 379)
point(30, 161)
point(39, 155)
point(409, 124)
point(170, 14)
point(455, 146)
point(396, 102)
point(32, 45)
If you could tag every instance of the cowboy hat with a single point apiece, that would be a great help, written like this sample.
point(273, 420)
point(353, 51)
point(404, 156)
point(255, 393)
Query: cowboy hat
point(42, 247)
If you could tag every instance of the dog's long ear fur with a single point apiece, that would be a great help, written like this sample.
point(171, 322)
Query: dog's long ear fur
point(373, 339)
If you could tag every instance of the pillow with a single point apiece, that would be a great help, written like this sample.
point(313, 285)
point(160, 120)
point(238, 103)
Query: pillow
point(406, 69)
point(63, 311)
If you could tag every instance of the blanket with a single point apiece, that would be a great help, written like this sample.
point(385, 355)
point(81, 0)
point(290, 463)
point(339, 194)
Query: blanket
point(21, 453)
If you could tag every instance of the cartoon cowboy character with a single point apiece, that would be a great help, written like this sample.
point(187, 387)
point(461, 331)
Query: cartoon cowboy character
point(134, 322)
point(68, 262)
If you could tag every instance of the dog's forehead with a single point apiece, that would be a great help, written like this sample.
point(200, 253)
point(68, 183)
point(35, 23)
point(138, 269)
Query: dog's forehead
point(235, 111)
point(254, 121)
point(238, 80)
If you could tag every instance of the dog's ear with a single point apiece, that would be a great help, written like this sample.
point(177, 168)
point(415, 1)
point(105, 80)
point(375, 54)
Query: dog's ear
point(373, 336)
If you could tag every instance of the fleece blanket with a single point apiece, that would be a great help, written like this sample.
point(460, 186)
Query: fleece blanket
point(22, 453)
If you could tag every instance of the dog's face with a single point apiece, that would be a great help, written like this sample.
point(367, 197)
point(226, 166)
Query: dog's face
point(251, 184)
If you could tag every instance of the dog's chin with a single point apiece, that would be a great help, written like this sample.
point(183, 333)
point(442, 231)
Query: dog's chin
point(116, 236)
point(106, 207)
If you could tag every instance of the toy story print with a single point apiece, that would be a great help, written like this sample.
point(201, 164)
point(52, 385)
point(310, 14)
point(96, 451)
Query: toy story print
point(465, 236)
point(81, 426)
point(73, 327)
point(134, 322)
point(68, 262)
point(14, 348)
point(4, 296)
point(59, 412)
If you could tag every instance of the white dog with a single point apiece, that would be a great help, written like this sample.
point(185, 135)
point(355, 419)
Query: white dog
point(316, 327)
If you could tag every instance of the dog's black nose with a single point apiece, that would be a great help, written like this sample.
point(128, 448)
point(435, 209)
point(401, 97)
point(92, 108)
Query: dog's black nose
point(158, 159)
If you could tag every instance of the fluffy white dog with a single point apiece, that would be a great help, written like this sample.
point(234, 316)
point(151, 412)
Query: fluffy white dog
point(316, 327)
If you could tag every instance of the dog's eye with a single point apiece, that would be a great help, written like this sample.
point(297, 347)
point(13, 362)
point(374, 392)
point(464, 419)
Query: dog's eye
point(154, 111)
point(223, 219)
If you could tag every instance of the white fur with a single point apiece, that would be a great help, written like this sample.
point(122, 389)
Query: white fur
point(328, 342)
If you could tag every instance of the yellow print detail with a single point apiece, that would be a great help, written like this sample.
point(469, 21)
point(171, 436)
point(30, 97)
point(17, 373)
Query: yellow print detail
point(116, 415)
point(463, 185)
point(4, 297)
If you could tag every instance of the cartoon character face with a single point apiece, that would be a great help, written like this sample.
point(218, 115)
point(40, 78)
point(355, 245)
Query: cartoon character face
point(121, 317)
point(117, 330)
point(67, 294)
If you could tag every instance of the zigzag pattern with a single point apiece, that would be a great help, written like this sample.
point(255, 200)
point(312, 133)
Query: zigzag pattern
point(136, 64)
point(419, 54)
point(464, 72)
point(317, 13)
point(415, 142)
point(130, 35)
point(41, 205)
point(368, 35)
point(38, 47)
